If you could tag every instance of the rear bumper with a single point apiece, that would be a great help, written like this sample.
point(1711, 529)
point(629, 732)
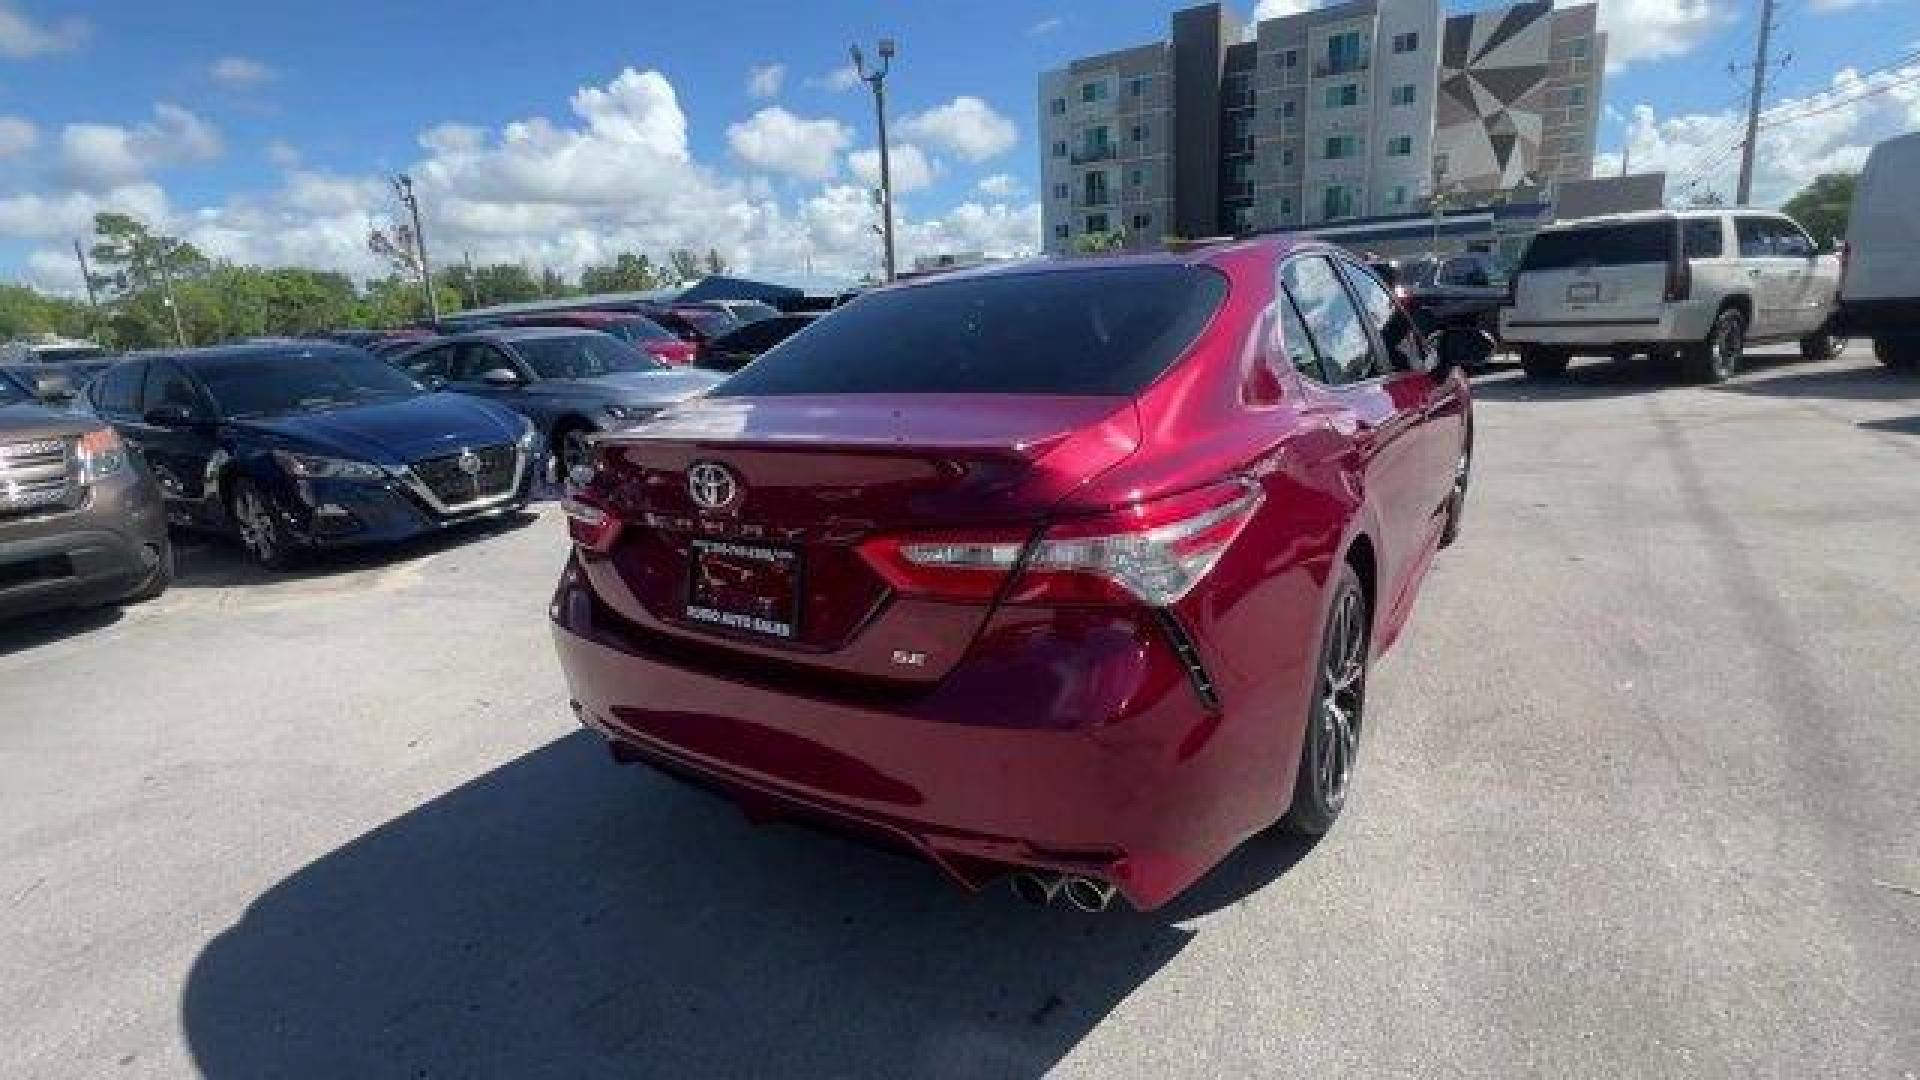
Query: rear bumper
point(1879, 316)
point(1673, 325)
point(104, 551)
point(1144, 799)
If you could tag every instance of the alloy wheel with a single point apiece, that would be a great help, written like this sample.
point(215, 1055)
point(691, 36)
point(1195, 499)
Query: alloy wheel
point(1342, 700)
point(256, 528)
point(1727, 347)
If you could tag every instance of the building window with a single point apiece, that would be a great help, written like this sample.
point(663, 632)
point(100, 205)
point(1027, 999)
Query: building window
point(1336, 202)
point(1288, 109)
point(1343, 96)
point(1141, 221)
point(1059, 191)
point(1406, 43)
point(1345, 53)
point(1397, 196)
point(1401, 95)
point(1137, 87)
point(1095, 192)
point(1093, 91)
point(1139, 133)
point(1060, 231)
point(1059, 149)
point(1058, 106)
point(1341, 146)
point(1290, 59)
point(1577, 48)
point(1576, 96)
point(1286, 155)
point(1400, 146)
point(1136, 177)
point(1096, 223)
point(1286, 206)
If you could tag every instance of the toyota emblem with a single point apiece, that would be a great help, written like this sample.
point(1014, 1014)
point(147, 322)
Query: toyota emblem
point(469, 463)
point(712, 485)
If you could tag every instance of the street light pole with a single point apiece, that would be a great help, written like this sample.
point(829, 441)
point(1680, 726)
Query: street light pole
point(166, 288)
point(877, 79)
point(403, 184)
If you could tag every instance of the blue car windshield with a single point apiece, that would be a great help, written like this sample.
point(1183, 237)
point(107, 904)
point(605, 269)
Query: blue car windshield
point(302, 382)
point(583, 356)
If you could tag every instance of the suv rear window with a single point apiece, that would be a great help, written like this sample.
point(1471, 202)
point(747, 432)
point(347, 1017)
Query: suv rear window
point(1625, 244)
point(1098, 331)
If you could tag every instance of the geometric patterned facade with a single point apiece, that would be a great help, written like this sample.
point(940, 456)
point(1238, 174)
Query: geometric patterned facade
point(1515, 102)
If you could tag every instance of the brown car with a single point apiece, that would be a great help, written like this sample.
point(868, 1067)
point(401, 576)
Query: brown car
point(81, 521)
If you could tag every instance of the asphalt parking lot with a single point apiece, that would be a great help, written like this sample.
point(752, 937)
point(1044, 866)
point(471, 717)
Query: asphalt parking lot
point(1641, 796)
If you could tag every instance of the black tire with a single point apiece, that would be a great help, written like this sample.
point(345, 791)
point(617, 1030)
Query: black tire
point(1541, 363)
point(1821, 346)
point(1457, 498)
point(159, 580)
point(1332, 736)
point(1717, 359)
point(1898, 353)
point(258, 524)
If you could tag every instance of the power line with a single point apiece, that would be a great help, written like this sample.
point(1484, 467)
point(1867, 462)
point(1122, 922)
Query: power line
point(1828, 102)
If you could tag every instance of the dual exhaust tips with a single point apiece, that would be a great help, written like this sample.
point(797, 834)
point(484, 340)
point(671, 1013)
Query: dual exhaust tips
point(1088, 894)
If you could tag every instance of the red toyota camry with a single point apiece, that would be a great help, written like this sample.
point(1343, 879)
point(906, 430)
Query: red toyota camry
point(1070, 572)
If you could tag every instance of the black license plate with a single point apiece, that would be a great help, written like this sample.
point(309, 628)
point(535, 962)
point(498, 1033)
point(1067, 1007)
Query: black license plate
point(744, 586)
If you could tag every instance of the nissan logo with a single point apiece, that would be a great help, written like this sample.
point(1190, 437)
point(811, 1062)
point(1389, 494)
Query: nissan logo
point(712, 485)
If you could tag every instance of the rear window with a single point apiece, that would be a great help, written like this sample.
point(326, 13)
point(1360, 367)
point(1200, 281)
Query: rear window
point(1098, 331)
point(1627, 244)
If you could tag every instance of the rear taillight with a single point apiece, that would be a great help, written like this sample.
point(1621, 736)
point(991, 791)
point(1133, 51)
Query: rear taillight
point(1150, 553)
point(1679, 279)
point(591, 525)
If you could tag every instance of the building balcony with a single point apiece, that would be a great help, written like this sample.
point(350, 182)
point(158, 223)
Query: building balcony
point(1087, 155)
point(1329, 68)
point(1092, 199)
point(1237, 144)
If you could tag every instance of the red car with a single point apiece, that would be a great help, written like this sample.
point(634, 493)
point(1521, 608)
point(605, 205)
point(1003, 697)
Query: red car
point(1067, 571)
point(636, 330)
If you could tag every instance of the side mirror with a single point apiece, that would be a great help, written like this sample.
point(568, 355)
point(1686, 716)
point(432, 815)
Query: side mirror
point(53, 388)
point(168, 416)
point(1458, 348)
point(501, 377)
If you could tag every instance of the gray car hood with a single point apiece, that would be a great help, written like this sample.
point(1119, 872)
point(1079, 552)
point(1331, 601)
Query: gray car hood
point(638, 387)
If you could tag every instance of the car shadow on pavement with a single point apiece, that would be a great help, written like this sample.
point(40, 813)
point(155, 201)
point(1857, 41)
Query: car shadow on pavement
point(564, 916)
point(1897, 425)
point(45, 628)
point(217, 562)
point(1870, 383)
point(1593, 378)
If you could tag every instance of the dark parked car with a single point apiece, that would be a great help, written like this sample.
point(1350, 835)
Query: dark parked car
point(743, 311)
point(736, 349)
point(1069, 571)
point(56, 380)
point(81, 521)
point(696, 323)
point(1465, 290)
point(631, 327)
point(570, 383)
point(293, 447)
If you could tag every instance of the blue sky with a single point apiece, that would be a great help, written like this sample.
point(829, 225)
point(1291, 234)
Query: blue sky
point(262, 131)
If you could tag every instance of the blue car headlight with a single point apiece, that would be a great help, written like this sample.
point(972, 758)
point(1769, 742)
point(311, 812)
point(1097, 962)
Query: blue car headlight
point(321, 467)
point(529, 434)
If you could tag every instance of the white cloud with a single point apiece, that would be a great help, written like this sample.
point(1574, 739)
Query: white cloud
point(101, 156)
point(549, 192)
point(909, 167)
point(239, 72)
point(777, 140)
point(844, 77)
point(765, 80)
point(999, 185)
point(1840, 5)
point(22, 37)
point(966, 126)
point(17, 136)
point(1649, 30)
point(1809, 135)
point(283, 154)
point(1280, 9)
point(1045, 26)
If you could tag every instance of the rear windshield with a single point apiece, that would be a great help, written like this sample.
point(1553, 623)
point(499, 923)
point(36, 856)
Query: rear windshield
point(1601, 245)
point(1100, 331)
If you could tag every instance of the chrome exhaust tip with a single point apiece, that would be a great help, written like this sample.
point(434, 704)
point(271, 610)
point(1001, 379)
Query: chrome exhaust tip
point(1088, 894)
point(1038, 889)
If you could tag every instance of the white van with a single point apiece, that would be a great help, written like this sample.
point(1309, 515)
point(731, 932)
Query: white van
point(1698, 284)
point(1880, 282)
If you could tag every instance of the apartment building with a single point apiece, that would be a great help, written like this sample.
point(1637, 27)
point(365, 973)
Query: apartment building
point(1335, 115)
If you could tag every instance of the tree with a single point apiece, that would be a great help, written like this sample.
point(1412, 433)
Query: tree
point(23, 311)
point(1823, 206)
point(715, 264)
point(1097, 243)
point(130, 256)
point(496, 283)
point(629, 272)
point(398, 247)
point(684, 264)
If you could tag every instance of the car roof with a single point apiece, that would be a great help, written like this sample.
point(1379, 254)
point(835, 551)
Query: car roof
point(519, 333)
point(1271, 245)
point(245, 351)
point(1692, 213)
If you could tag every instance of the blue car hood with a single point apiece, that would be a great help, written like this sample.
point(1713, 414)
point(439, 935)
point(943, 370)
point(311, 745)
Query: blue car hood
point(395, 432)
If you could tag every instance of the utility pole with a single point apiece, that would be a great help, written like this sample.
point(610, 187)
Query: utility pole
point(1745, 192)
point(473, 283)
point(1626, 153)
point(166, 289)
point(877, 79)
point(403, 184)
point(86, 275)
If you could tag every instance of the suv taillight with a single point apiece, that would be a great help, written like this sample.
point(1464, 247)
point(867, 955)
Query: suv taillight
point(1150, 553)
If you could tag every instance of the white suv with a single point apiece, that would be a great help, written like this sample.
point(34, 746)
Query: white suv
point(1702, 284)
